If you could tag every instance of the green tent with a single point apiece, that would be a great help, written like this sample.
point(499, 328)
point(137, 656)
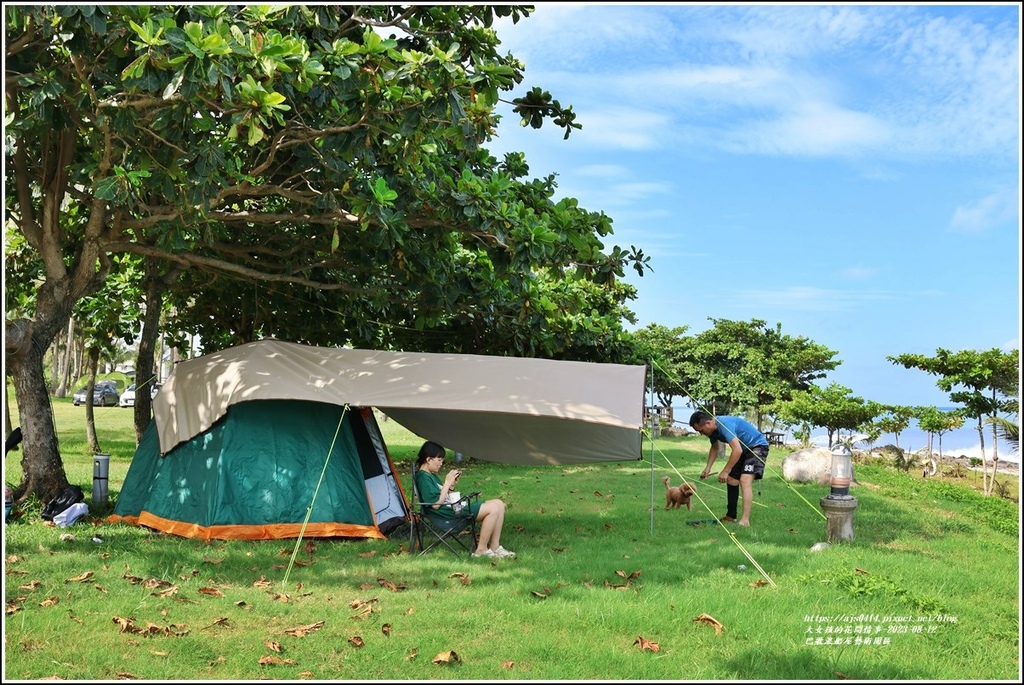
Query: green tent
point(253, 474)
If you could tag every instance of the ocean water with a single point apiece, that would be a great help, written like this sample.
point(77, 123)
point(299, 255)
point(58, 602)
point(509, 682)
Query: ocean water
point(960, 442)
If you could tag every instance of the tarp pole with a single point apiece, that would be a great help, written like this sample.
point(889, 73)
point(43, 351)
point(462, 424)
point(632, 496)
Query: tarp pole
point(650, 403)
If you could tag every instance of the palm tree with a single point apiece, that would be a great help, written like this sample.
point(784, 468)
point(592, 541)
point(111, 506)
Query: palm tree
point(1007, 430)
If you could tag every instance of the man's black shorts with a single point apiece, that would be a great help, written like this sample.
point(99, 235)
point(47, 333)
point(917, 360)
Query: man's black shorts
point(751, 461)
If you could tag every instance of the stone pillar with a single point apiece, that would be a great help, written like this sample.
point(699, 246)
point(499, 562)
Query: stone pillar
point(839, 515)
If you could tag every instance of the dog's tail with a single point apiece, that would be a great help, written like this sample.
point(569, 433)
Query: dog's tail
point(665, 480)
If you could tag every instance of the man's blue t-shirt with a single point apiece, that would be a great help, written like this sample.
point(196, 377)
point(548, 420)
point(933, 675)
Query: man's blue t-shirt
point(734, 426)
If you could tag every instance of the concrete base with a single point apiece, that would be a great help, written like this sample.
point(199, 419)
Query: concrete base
point(839, 514)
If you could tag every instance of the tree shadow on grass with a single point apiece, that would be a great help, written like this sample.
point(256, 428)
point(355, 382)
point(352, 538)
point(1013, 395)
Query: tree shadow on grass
point(822, 663)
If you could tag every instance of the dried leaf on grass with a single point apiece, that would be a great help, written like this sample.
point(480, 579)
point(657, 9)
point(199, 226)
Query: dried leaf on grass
point(448, 657)
point(357, 603)
point(623, 586)
point(262, 582)
point(273, 645)
point(211, 591)
point(760, 582)
point(49, 602)
point(384, 582)
point(127, 625)
point(508, 664)
point(356, 641)
point(303, 631)
point(646, 644)
point(80, 579)
point(363, 613)
point(710, 621)
point(168, 592)
point(274, 660)
point(386, 629)
point(461, 576)
point(411, 655)
point(543, 595)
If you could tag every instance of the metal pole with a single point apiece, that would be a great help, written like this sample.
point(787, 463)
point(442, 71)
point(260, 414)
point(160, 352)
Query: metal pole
point(650, 403)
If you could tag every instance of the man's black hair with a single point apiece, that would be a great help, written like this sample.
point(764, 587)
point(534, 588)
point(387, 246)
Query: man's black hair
point(698, 417)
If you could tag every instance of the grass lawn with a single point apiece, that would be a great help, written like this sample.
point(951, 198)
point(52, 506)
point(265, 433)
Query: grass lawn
point(605, 585)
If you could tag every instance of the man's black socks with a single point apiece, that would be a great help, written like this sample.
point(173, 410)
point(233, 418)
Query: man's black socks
point(732, 497)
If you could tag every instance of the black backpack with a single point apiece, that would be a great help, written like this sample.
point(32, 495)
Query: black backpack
point(72, 494)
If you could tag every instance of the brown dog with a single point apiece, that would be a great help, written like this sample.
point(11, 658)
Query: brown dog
point(677, 497)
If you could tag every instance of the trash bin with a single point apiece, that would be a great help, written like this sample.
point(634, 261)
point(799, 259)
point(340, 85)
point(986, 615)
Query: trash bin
point(100, 471)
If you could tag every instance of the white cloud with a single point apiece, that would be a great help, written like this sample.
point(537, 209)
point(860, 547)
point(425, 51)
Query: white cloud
point(843, 81)
point(808, 299)
point(814, 128)
point(1001, 207)
point(623, 128)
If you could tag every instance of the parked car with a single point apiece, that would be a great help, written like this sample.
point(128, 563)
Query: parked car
point(128, 398)
point(104, 394)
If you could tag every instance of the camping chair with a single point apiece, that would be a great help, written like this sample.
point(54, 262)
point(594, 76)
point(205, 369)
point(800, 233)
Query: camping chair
point(429, 529)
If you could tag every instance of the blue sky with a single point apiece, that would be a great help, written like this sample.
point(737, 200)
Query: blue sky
point(849, 171)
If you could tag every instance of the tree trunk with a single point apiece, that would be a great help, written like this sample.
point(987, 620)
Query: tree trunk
point(90, 410)
point(995, 447)
point(69, 355)
point(42, 470)
point(986, 482)
point(144, 375)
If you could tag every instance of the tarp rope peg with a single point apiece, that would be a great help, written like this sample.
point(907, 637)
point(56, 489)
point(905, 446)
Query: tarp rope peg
point(309, 510)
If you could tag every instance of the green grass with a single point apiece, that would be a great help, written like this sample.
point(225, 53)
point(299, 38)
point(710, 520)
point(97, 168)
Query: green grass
point(597, 570)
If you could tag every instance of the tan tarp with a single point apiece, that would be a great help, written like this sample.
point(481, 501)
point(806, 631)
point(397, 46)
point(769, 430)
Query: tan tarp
point(511, 410)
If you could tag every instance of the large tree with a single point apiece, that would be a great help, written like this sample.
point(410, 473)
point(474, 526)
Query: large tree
point(985, 382)
point(831, 407)
point(663, 350)
point(314, 170)
point(749, 366)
